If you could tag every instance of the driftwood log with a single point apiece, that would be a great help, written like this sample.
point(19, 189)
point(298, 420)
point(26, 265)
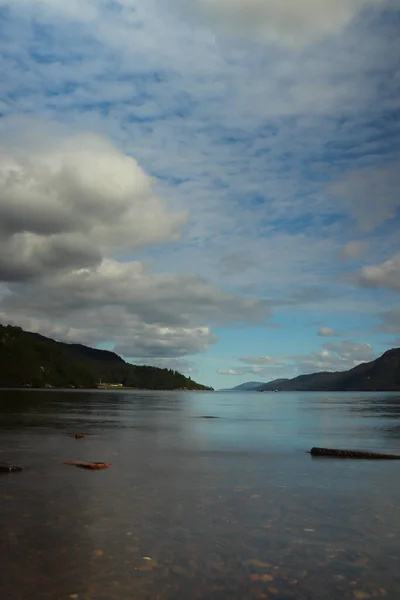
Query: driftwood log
point(6, 468)
point(333, 453)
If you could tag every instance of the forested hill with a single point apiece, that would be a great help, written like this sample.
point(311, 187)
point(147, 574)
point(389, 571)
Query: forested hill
point(32, 360)
point(381, 374)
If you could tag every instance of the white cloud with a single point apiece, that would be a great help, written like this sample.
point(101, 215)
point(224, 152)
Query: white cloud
point(81, 10)
point(262, 361)
point(370, 194)
point(261, 372)
point(73, 210)
point(170, 299)
point(144, 340)
point(326, 332)
point(290, 22)
point(384, 275)
point(390, 322)
point(143, 313)
point(264, 367)
point(335, 356)
point(348, 349)
point(128, 334)
point(66, 202)
point(353, 250)
point(229, 372)
point(47, 327)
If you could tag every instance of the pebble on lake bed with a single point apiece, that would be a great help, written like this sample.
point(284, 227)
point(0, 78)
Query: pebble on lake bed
point(261, 577)
point(254, 562)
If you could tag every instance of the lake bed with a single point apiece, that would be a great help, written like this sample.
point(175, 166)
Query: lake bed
point(192, 507)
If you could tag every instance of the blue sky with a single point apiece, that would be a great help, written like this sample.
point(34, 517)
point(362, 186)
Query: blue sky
point(208, 186)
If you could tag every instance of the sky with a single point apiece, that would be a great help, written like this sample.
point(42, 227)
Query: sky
point(211, 186)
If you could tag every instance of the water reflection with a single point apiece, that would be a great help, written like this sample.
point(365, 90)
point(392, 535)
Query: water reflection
point(222, 508)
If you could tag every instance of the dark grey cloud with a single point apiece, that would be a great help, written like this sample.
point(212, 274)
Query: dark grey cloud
point(145, 314)
point(25, 257)
point(170, 299)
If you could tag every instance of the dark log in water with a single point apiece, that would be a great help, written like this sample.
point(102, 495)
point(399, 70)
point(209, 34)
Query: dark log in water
point(5, 468)
point(333, 453)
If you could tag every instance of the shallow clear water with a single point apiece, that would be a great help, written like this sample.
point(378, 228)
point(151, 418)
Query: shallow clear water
point(224, 508)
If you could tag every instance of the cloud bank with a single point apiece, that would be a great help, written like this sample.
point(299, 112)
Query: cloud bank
point(334, 356)
point(65, 203)
point(69, 207)
point(208, 172)
point(291, 22)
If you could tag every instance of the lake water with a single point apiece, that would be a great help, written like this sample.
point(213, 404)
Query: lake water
point(194, 508)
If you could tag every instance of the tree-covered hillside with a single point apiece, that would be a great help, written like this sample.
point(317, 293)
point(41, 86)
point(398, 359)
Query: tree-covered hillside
point(381, 374)
point(32, 360)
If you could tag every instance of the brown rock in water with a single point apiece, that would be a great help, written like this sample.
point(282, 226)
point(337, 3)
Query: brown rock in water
point(82, 464)
point(6, 468)
point(334, 453)
point(79, 436)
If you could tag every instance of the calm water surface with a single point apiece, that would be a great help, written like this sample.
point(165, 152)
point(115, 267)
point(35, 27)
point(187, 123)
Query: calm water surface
point(196, 508)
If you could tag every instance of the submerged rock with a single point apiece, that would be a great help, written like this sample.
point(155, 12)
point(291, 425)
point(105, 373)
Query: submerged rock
point(83, 464)
point(208, 417)
point(6, 468)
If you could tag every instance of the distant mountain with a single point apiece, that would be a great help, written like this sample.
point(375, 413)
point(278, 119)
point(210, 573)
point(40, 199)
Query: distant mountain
point(321, 380)
point(382, 374)
point(275, 384)
point(250, 385)
point(32, 360)
point(253, 386)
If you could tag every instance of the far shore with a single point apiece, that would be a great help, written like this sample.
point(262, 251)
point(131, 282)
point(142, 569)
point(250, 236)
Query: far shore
point(50, 388)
